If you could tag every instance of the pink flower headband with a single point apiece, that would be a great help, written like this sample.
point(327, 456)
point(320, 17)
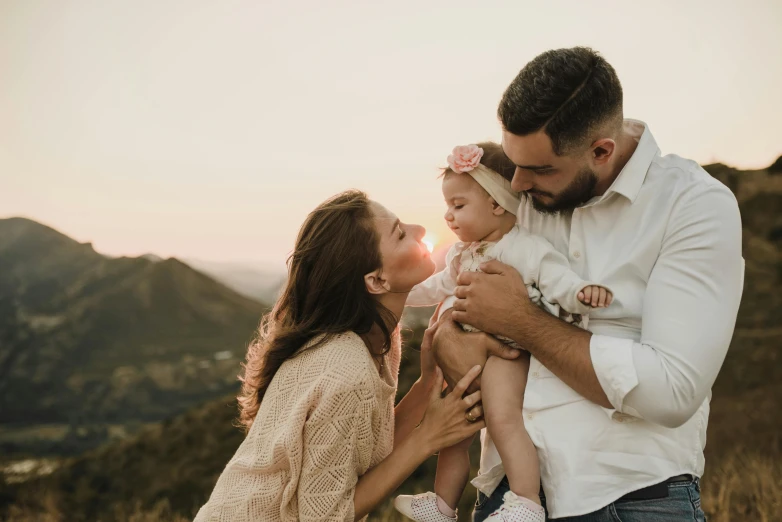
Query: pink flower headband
point(465, 158)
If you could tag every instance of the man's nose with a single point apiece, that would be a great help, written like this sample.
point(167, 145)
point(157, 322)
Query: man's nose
point(522, 180)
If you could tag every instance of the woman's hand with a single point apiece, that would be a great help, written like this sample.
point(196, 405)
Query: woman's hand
point(429, 365)
point(445, 421)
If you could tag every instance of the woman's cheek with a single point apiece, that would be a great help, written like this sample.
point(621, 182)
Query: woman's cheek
point(415, 256)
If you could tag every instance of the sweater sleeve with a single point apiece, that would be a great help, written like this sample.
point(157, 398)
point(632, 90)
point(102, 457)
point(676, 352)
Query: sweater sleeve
point(338, 442)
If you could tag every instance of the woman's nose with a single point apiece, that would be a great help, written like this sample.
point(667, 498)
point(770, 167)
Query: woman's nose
point(522, 180)
point(418, 232)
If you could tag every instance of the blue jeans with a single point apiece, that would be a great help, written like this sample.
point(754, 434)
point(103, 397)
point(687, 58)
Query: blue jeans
point(683, 503)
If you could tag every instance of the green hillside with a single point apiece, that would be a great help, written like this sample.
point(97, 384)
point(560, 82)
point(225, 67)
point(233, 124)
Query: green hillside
point(91, 345)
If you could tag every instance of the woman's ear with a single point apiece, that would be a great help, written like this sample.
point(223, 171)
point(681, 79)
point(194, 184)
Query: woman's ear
point(496, 209)
point(375, 283)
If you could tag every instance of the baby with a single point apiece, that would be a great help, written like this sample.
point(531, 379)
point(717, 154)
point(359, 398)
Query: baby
point(482, 211)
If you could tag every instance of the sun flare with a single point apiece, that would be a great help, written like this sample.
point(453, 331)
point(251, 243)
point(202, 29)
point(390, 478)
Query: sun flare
point(430, 240)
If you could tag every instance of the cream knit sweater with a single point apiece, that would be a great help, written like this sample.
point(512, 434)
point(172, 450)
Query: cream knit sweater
point(326, 418)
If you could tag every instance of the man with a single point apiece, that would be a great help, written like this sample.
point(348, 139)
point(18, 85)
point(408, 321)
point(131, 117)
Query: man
point(618, 413)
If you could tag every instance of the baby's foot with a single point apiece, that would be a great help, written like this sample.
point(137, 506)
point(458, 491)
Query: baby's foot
point(422, 508)
point(595, 296)
point(518, 509)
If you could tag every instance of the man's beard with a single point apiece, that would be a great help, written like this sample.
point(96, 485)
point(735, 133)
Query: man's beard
point(580, 190)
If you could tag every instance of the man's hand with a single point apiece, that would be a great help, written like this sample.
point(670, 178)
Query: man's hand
point(497, 301)
point(492, 301)
point(457, 351)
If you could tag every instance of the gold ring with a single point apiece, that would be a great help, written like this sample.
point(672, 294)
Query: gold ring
point(470, 417)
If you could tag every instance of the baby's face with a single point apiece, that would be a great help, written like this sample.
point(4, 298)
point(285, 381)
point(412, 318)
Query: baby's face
point(470, 208)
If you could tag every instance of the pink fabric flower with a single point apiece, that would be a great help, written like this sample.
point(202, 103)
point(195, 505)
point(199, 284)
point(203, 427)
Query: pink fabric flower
point(465, 158)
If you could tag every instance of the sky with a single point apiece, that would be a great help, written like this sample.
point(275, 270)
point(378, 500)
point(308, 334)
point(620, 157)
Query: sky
point(203, 129)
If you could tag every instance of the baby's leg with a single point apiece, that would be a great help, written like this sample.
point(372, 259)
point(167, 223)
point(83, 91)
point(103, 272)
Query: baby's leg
point(453, 470)
point(502, 390)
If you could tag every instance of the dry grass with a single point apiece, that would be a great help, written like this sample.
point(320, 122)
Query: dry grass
point(743, 486)
point(161, 512)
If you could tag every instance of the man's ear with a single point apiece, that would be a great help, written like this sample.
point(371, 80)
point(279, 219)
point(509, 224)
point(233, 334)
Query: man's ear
point(375, 283)
point(602, 150)
point(496, 209)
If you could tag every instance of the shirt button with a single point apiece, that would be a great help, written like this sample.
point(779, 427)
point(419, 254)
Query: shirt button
point(576, 254)
point(535, 374)
point(530, 416)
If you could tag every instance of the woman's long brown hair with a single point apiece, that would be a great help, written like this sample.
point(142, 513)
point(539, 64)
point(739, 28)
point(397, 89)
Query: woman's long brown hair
point(325, 294)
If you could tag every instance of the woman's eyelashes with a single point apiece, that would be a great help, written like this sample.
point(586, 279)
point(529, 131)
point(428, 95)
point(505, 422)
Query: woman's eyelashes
point(402, 233)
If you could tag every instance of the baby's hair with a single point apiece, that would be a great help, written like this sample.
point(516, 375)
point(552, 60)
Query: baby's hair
point(494, 158)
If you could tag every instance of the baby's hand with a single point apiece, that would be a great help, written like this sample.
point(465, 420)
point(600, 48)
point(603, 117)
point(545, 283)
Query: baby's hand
point(595, 296)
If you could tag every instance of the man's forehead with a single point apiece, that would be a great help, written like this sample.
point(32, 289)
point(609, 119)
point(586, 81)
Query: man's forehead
point(531, 150)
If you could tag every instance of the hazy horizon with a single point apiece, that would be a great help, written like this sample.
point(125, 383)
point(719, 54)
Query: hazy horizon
point(208, 130)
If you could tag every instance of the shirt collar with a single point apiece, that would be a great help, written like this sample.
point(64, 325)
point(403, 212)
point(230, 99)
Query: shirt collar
point(629, 181)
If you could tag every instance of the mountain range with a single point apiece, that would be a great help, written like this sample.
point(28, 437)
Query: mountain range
point(245, 278)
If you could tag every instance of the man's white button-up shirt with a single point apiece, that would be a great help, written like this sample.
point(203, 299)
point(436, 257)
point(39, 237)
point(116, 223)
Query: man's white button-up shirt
point(666, 238)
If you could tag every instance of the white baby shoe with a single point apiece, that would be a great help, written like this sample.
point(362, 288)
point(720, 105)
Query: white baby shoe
point(421, 508)
point(517, 509)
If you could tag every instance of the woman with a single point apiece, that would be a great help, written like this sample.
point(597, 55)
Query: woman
point(324, 441)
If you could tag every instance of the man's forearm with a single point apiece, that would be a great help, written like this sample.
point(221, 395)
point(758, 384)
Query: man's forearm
point(560, 347)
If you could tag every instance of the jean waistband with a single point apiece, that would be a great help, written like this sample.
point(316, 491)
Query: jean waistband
point(654, 491)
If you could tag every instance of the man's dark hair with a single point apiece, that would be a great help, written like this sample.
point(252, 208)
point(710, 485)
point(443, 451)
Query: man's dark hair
point(569, 93)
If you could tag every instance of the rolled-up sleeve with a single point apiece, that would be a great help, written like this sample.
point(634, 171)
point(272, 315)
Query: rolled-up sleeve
point(612, 359)
point(689, 313)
